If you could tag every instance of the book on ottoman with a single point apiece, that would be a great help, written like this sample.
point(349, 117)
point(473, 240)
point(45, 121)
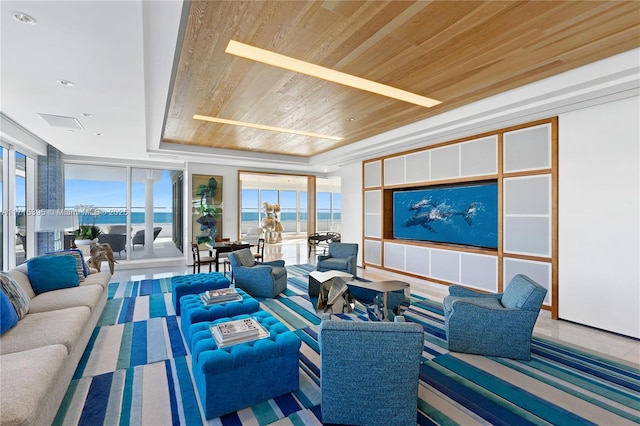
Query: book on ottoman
point(220, 296)
point(233, 332)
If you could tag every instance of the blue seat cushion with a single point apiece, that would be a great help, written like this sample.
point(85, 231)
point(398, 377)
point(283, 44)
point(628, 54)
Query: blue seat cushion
point(259, 370)
point(339, 264)
point(195, 284)
point(194, 311)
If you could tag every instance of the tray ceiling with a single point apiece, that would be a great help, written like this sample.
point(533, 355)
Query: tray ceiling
point(456, 52)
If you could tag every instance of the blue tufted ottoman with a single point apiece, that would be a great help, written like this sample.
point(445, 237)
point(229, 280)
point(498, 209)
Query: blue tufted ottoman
point(193, 310)
point(195, 284)
point(245, 374)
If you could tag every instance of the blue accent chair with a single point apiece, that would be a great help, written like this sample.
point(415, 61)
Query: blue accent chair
point(340, 257)
point(259, 279)
point(369, 371)
point(494, 324)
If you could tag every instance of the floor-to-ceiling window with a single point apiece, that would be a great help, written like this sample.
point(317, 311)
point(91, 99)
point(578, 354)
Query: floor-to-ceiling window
point(152, 214)
point(328, 205)
point(289, 211)
point(290, 192)
point(250, 210)
point(323, 211)
point(126, 202)
point(303, 211)
point(17, 205)
point(20, 191)
point(99, 194)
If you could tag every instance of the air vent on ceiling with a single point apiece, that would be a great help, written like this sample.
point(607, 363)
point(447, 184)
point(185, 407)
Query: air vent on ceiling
point(61, 121)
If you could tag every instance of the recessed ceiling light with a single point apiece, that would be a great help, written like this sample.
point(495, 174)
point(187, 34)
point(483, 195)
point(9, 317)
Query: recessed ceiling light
point(24, 18)
point(351, 119)
point(291, 64)
point(66, 83)
point(98, 134)
point(87, 114)
point(263, 127)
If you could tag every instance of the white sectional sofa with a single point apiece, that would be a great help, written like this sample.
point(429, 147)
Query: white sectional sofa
point(39, 355)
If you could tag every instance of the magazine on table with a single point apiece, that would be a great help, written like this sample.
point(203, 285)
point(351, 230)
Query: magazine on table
point(220, 295)
point(238, 331)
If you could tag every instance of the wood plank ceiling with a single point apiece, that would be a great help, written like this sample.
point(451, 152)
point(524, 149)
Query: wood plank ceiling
point(453, 51)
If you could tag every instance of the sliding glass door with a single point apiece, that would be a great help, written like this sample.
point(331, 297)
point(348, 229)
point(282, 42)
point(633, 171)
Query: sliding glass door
point(133, 207)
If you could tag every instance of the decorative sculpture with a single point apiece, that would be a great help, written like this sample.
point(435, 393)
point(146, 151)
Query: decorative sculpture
point(271, 223)
point(100, 252)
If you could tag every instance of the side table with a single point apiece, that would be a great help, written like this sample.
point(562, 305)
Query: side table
point(320, 284)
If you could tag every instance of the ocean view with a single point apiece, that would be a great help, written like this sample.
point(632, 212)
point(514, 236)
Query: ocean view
point(136, 218)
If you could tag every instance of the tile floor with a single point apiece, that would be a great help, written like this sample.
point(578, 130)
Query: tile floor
point(294, 251)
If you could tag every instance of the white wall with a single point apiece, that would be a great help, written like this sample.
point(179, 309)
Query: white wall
point(229, 196)
point(351, 190)
point(599, 216)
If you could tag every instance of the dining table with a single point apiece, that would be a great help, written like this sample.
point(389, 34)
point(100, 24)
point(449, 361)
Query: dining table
point(218, 247)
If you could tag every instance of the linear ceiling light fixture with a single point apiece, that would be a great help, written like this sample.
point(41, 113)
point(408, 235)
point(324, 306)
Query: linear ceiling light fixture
point(277, 60)
point(263, 127)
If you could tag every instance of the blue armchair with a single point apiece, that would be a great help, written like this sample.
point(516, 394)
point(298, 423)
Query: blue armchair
point(341, 257)
point(494, 324)
point(369, 371)
point(259, 279)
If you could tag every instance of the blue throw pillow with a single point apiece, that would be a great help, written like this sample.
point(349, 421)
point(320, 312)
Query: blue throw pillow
point(8, 315)
point(48, 273)
point(82, 265)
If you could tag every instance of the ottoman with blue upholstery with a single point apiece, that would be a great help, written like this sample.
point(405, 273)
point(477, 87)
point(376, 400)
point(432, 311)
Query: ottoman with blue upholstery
point(195, 284)
point(194, 310)
point(245, 374)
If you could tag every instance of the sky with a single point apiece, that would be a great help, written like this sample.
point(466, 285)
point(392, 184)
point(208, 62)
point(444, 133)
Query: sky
point(110, 194)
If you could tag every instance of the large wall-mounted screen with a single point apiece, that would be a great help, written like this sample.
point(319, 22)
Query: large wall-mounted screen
point(454, 214)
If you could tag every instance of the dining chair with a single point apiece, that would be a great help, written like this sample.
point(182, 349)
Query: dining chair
point(200, 260)
point(259, 254)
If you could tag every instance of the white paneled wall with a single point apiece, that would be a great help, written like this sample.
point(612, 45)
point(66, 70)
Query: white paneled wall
point(372, 174)
point(527, 149)
point(525, 178)
point(417, 167)
point(373, 252)
point(373, 213)
point(479, 157)
point(527, 215)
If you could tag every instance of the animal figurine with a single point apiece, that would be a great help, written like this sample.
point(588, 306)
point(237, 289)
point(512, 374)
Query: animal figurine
point(100, 252)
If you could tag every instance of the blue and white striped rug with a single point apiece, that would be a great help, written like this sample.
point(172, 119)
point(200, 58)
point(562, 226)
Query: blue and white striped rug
point(137, 370)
